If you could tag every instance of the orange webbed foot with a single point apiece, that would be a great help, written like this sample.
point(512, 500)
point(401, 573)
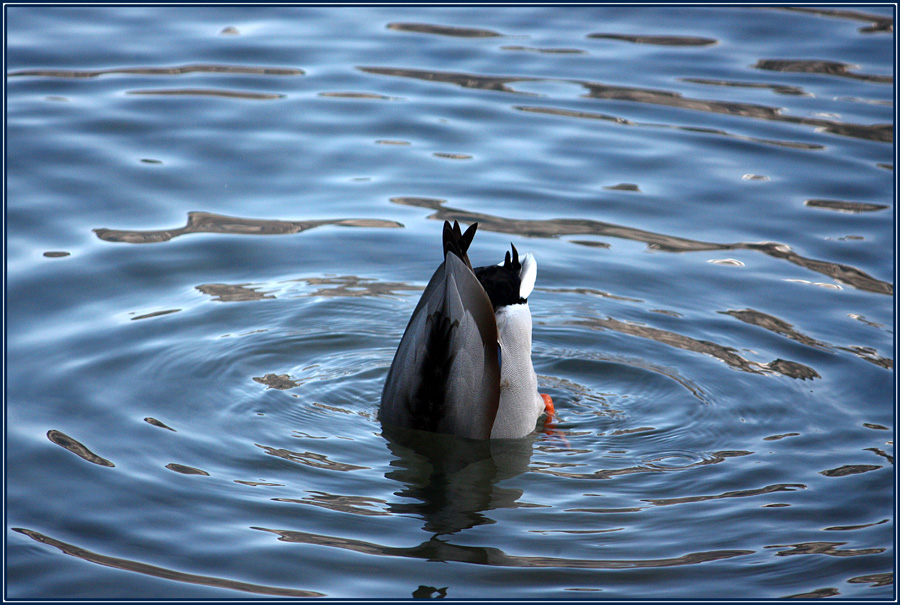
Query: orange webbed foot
point(549, 427)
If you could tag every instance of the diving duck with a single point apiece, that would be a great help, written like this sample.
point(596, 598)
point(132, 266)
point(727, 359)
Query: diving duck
point(463, 366)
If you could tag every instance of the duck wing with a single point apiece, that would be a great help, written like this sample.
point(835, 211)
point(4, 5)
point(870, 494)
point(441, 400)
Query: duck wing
point(445, 377)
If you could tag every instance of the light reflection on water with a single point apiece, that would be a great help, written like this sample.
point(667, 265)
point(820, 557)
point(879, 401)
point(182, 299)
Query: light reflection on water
point(709, 194)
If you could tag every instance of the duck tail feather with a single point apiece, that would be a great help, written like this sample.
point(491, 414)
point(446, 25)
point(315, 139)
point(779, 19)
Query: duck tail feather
point(457, 242)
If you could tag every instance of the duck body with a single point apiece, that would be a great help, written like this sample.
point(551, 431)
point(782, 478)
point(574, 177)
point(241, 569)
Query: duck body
point(463, 366)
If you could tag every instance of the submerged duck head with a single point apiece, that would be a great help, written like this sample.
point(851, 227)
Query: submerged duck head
point(463, 366)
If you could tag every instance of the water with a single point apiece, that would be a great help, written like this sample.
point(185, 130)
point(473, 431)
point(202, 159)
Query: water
point(220, 219)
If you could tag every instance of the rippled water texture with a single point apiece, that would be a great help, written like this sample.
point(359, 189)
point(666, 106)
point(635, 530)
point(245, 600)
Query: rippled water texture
point(219, 221)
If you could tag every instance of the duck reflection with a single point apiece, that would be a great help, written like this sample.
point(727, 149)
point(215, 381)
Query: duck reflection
point(450, 481)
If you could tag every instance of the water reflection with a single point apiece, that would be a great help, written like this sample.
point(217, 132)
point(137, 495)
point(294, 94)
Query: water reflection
point(331, 286)
point(310, 459)
point(783, 328)
point(208, 222)
point(589, 115)
point(877, 23)
point(657, 241)
point(659, 40)
point(351, 285)
point(282, 382)
point(77, 448)
point(831, 68)
point(355, 505)
point(158, 71)
point(186, 470)
point(744, 493)
point(781, 89)
point(844, 206)
point(729, 355)
point(359, 95)
point(551, 51)
point(209, 92)
point(555, 469)
point(774, 324)
point(233, 292)
point(823, 548)
point(453, 481)
point(155, 422)
point(444, 30)
point(162, 572)
point(436, 549)
point(850, 469)
point(597, 90)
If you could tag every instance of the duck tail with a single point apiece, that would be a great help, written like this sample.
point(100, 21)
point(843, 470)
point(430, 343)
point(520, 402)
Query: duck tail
point(457, 242)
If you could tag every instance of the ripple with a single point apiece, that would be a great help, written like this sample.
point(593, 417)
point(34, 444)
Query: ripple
point(823, 548)
point(676, 460)
point(281, 382)
point(659, 40)
point(780, 437)
point(782, 89)
point(624, 187)
point(276, 405)
point(878, 24)
point(452, 156)
point(354, 286)
point(723, 353)
point(209, 92)
point(359, 95)
point(159, 71)
point(598, 90)
point(588, 115)
point(814, 66)
point(155, 314)
point(551, 51)
point(657, 241)
point(186, 470)
point(208, 222)
point(162, 572)
point(776, 325)
point(444, 30)
point(871, 355)
point(233, 292)
point(158, 423)
point(856, 527)
point(876, 579)
point(438, 550)
point(744, 493)
point(850, 469)
point(77, 448)
point(355, 505)
point(697, 460)
point(310, 459)
point(843, 206)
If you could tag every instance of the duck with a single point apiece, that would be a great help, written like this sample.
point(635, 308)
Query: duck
point(463, 366)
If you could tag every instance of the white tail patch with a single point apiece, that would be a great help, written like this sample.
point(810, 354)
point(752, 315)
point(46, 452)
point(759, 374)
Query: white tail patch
point(527, 275)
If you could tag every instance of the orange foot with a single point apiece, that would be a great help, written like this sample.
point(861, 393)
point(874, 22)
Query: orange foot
point(548, 404)
point(549, 427)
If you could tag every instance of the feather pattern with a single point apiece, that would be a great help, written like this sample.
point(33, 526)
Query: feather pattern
point(447, 376)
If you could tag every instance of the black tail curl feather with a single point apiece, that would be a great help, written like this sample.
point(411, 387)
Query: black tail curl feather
point(502, 282)
point(457, 242)
point(514, 264)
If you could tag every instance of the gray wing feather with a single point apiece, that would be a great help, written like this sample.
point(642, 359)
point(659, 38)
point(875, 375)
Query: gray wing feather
point(445, 376)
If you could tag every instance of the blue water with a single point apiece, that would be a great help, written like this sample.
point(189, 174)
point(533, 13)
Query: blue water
point(219, 220)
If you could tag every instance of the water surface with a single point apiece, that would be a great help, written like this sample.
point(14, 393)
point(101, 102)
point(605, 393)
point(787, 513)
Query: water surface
point(219, 221)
